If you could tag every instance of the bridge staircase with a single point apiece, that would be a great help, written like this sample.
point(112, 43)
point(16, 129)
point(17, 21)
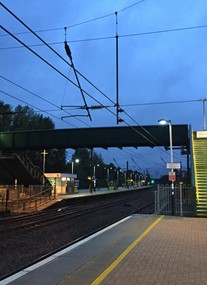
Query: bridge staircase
point(20, 167)
point(199, 148)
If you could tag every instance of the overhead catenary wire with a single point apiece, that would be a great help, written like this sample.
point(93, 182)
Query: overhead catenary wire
point(135, 163)
point(80, 23)
point(77, 85)
point(72, 65)
point(68, 51)
point(144, 129)
point(120, 36)
point(130, 6)
point(66, 77)
point(145, 159)
point(73, 83)
point(47, 112)
point(63, 74)
point(140, 157)
point(138, 2)
point(40, 110)
point(159, 103)
point(49, 64)
point(116, 163)
point(60, 29)
point(45, 43)
point(140, 104)
point(100, 107)
point(41, 98)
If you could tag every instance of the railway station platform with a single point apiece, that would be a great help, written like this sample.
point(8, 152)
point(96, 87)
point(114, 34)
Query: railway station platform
point(140, 249)
point(85, 193)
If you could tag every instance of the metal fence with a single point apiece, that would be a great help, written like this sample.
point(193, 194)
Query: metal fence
point(179, 202)
point(21, 199)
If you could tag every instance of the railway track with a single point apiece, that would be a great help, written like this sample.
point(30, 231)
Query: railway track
point(42, 235)
point(46, 218)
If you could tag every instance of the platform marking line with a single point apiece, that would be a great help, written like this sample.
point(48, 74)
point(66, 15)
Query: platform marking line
point(116, 262)
point(58, 254)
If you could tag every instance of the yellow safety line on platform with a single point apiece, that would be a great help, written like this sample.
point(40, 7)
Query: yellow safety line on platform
point(116, 262)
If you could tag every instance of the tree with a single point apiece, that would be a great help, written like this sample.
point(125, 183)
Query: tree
point(83, 167)
point(6, 117)
point(25, 118)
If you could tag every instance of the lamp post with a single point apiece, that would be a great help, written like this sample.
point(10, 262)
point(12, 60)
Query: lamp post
point(204, 113)
point(140, 180)
point(164, 122)
point(117, 177)
point(94, 170)
point(76, 161)
point(43, 165)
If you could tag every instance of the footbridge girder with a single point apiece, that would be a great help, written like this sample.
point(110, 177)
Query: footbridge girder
point(104, 137)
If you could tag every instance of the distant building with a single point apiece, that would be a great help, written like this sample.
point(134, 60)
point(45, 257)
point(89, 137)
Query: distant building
point(62, 183)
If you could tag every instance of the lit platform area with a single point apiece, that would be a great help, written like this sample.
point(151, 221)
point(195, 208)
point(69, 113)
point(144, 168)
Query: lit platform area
point(140, 249)
point(99, 191)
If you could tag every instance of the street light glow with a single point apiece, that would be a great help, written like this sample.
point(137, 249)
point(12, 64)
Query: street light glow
point(72, 162)
point(162, 122)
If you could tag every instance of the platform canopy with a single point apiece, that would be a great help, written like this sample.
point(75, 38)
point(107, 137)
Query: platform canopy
point(104, 137)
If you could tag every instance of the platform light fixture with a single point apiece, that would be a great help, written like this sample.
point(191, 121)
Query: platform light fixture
point(164, 122)
point(94, 170)
point(76, 161)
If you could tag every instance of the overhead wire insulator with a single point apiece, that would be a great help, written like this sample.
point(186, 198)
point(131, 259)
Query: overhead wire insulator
point(67, 48)
point(68, 51)
point(120, 120)
point(98, 107)
point(120, 110)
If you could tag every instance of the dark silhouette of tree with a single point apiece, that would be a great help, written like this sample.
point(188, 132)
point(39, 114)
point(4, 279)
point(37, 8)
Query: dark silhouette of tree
point(25, 118)
point(6, 116)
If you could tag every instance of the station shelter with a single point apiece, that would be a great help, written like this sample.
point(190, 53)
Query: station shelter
point(63, 183)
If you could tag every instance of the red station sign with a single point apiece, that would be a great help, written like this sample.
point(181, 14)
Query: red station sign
point(172, 176)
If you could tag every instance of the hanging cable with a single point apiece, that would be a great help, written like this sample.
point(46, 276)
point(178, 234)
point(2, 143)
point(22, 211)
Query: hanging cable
point(64, 93)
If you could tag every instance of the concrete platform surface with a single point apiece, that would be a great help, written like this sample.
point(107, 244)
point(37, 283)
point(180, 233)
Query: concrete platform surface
point(141, 249)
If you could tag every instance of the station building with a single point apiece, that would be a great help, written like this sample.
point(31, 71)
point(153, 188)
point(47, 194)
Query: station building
point(63, 183)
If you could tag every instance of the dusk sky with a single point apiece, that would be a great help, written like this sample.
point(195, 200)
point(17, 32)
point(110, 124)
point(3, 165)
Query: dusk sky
point(162, 65)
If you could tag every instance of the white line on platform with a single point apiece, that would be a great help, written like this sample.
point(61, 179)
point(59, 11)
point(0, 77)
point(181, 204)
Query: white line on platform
point(58, 254)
